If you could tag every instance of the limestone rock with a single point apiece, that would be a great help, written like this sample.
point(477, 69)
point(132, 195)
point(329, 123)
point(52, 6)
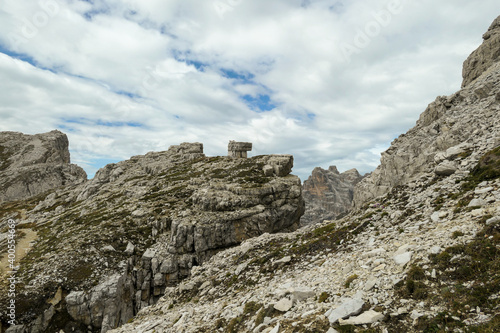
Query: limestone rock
point(368, 317)
point(403, 258)
point(445, 168)
point(328, 194)
point(34, 164)
point(301, 293)
point(350, 307)
point(283, 305)
point(485, 56)
point(447, 132)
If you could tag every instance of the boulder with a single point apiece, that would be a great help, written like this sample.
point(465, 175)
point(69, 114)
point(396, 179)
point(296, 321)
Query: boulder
point(349, 307)
point(445, 168)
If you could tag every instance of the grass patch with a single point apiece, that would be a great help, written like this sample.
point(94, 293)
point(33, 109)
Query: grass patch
point(349, 280)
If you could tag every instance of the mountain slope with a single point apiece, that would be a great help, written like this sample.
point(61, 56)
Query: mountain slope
point(108, 247)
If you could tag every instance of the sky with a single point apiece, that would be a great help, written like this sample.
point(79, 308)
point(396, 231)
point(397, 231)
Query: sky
point(332, 82)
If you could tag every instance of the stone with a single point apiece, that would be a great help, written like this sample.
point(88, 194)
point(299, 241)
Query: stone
point(368, 317)
point(332, 330)
point(445, 168)
point(476, 203)
point(130, 248)
point(415, 315)
point(402, 259)
point(276, 328)
point(239, 149)
point(455, 151)
point(370, 283)
point(301, 293)
point(283, 305)
point(435, 249)
point(493, 220)
point(283, 261)
point(349, 307)
point(435, 217)
point(483, 190)
point(108, 248)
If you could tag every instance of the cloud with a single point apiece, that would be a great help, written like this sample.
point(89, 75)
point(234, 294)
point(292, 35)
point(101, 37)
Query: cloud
point(332, 82)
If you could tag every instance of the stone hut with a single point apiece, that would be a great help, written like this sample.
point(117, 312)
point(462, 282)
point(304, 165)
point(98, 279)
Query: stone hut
point(238, 149)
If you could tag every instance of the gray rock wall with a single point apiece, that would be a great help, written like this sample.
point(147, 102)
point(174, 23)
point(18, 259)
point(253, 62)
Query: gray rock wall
point(328, 194)
point(463, 121)
point(34, 164)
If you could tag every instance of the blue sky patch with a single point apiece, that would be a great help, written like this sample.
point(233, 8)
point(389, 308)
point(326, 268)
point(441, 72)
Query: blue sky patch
point(99, 122)
point(243, 76)
point(261, 102)
point(20, 56)
point(118, 124)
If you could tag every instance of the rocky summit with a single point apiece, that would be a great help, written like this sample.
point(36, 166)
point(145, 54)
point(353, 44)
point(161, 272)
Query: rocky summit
point(179, 242)
point(104, 249)
point(328, 194)
point(33, 164)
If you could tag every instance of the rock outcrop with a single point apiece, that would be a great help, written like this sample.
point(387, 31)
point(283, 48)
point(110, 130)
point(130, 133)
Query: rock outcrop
point(485, 56)
point(393, 267)
point(450, 129)
point(328, 194)
point(115, 243)
point(34, 164)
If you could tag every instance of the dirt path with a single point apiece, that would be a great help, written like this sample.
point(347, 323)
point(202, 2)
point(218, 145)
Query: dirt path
point(22, 248)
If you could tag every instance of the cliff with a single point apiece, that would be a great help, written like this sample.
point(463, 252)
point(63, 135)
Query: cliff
point(450, 129)
point(108, 247)
point(33, 164)
point(328, 194)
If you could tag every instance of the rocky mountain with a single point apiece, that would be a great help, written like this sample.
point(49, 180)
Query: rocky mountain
point(179, 242)
point(328, 194)
point(420, 253)
point(450, 129)
point(104, 249)
point(485, 56)
point(33, 164)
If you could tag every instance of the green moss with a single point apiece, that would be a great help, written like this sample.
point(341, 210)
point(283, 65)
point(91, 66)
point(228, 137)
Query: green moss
point(251, 308)
point(438, 324)
point(488, 168)
point(5, 155)
point(323, 297)
point(79, 273)
point(415, 273)
point(457, 234)
point(349, 280)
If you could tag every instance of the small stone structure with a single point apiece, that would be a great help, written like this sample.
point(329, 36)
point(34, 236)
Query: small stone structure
point(238, 149)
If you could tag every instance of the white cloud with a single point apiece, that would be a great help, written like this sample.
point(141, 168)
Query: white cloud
point(125, 77)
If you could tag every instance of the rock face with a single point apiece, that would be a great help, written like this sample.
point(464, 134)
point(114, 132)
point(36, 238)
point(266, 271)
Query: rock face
point(34, 164)
point(328, 194)
point(450, 129)
point(485, 56)
point(115, 243)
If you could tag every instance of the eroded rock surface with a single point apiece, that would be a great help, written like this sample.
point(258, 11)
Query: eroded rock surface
point(485, 56)
point(34, 164)
point(451, 129)
point(328, 194)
